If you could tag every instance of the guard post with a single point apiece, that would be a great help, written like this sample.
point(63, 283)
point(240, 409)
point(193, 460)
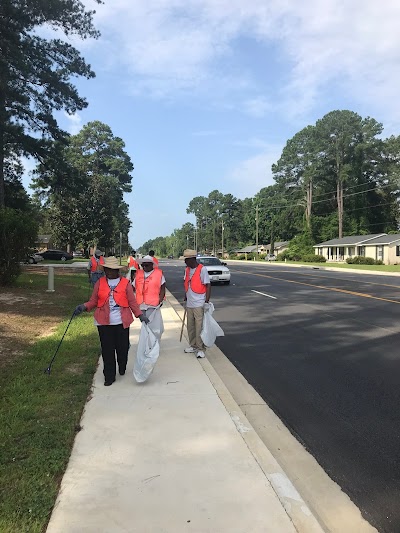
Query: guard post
point(50, 279)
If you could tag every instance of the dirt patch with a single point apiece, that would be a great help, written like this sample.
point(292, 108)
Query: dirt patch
point(28, 313)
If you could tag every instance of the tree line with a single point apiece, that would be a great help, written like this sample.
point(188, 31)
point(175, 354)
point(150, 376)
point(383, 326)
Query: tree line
point(80, 180)
point(334, 178)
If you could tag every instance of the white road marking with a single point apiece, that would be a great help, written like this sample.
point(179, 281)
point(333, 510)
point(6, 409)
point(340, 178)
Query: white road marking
point(263, 294)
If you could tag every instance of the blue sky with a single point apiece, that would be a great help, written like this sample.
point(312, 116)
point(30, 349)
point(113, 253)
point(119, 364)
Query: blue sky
point(205, 93)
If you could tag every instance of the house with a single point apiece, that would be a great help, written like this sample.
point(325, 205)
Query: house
point(279, 247)
point(379, 246)
point(44, 242)
point(252, 249)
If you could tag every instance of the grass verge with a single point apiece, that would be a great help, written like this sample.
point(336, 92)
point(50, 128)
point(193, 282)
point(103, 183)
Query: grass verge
point(40, 414)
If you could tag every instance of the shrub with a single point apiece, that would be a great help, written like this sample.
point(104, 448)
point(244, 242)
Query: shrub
point(312, 258)
point(18, 231)
point(242, 257)
point(361, 260)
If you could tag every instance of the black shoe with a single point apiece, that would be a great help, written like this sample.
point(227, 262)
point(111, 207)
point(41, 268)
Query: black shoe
point(122, 372)
point(107, 383)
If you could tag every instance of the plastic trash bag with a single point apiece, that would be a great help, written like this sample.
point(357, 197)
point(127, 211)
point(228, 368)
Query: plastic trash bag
point(211, 329)
point(148, 350)
point(156, 323)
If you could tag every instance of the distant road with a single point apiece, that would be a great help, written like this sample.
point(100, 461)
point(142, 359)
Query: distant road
point(323, 350)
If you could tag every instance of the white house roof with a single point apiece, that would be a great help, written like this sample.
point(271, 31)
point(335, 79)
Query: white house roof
point(351, 239)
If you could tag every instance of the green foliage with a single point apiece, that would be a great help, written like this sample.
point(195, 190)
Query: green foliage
point(313, 258)
point(18, 231)
point(82, 182)
point(361, 260)
point(35, 72)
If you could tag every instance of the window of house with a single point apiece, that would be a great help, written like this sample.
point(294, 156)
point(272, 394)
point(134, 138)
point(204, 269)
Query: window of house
point(379, 253)
point(350, 251)
point(397, 251)
point(361, 251)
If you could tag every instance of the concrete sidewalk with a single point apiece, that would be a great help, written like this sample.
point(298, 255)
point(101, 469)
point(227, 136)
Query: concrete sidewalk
point(173, 455)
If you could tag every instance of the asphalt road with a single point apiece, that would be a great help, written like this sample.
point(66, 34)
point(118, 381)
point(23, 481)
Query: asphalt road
point(322, 349)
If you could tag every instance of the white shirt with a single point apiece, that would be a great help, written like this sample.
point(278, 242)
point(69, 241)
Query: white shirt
point(144, 306)
point(115, 310)
point(194, 299)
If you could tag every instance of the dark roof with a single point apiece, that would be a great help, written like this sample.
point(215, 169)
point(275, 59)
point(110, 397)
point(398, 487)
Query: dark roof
point(281, 244)
point(249, 249)
point(351, 239)
point(385, 239)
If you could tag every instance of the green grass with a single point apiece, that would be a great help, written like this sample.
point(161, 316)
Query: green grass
point(40, 414)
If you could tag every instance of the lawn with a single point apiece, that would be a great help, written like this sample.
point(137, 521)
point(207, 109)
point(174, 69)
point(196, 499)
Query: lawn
point(40, 414)
point(346, 266)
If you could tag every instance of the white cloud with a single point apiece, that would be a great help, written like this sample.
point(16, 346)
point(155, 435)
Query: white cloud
point(257, 107)
point(254, 173)
point(74, 123)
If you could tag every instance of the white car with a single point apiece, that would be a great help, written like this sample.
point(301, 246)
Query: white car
point(218, 271)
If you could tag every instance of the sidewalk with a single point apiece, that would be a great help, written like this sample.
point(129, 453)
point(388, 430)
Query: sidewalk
point(173, 455)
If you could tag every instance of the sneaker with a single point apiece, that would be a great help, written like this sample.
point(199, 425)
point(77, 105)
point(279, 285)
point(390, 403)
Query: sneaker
point(200, 354)
point(189, 350)
point(122, 372)
point(107, 383)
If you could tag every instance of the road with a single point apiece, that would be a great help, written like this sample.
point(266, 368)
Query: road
point(322, 349)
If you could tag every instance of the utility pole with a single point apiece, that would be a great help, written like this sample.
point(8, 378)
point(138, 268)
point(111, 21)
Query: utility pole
point(222, 239)
point(257, 230)
point(120, 247)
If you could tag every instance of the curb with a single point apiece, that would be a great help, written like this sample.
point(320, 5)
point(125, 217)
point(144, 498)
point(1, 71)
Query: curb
point(300, 514)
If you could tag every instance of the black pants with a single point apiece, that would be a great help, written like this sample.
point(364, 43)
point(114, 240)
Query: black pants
point(113, 339)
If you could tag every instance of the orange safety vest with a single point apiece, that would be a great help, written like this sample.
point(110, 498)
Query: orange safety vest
point(148, 289)
point(194, 282)
point(155, 261)
point(95, 265)
point(133, 263)
point(119, 293)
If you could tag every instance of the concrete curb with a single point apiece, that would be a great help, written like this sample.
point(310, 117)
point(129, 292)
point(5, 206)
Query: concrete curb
point(296, 508)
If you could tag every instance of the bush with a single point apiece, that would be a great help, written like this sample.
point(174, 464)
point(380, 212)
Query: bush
point(312, 258)
point(18, 231)
point(361, 260)
point(242, 257)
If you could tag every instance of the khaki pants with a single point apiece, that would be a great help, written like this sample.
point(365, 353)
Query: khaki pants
point(194, 325)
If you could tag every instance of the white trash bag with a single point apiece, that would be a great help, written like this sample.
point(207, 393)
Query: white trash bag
point(156, 323)
point(211, 329)
point(148, 350)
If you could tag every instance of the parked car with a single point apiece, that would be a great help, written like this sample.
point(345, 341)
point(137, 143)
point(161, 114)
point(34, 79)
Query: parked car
point(170, 257)
point(77, 253)
point(217, 270)
point(56, 255)
point(270, 257)
point(34, 258)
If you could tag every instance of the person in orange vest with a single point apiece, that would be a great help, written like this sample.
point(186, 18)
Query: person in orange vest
point(132, 260)
point(197, 295)
point(155, 260)
point(149, 285)
point(115, 302)
point(95, 267)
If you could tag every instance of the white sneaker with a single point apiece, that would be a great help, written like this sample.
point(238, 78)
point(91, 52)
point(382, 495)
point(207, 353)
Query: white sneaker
point(201, 354)
point(189, 350)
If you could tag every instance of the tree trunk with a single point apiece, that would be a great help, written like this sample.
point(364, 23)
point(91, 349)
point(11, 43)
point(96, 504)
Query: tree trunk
point(2, 154)
point(309, 193)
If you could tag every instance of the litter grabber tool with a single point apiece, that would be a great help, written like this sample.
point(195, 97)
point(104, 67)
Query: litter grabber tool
point(183, 325)
point(48, 369)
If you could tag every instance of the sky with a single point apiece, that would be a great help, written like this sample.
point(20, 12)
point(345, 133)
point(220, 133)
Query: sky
point(206, 93)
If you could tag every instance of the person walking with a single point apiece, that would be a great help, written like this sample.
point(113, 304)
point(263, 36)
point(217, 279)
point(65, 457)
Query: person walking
point(131, 275)
point(114, 302)
point(155, 260)
point(149, 285)
point(197, 295)
point(95, 267)
point(132, 260)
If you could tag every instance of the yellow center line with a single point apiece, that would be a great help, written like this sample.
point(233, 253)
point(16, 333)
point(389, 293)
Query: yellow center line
point(333, 289)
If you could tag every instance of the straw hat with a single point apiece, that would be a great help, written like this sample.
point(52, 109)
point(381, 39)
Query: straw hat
point(111, 262)
point(147, 259)
point(189, 253)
